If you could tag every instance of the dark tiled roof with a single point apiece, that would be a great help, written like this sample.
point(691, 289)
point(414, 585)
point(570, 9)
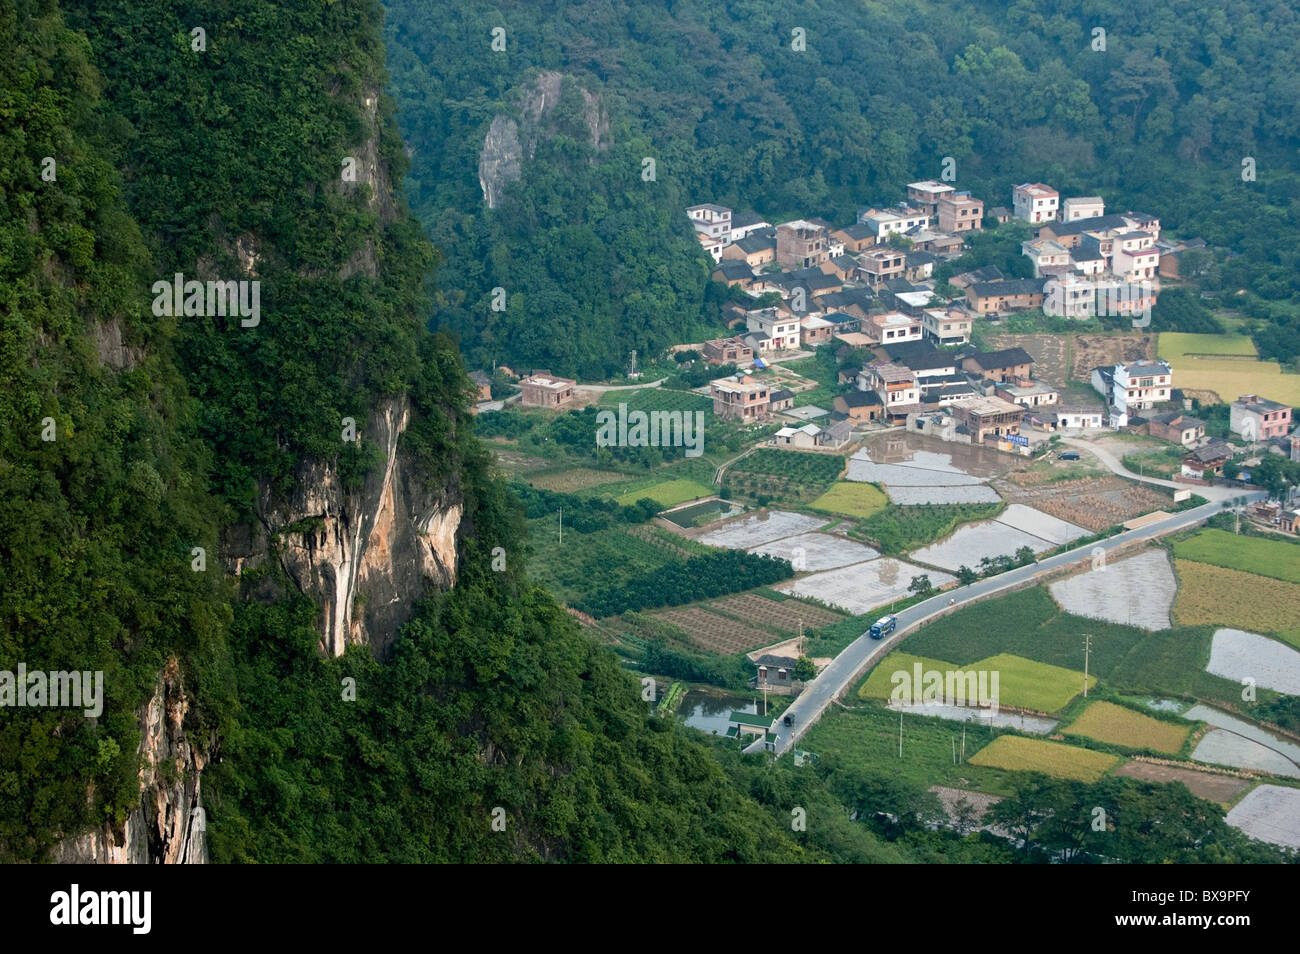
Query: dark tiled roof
point(1007, 358)
point(861, 398)
point(732, 268)
point(1014, 286)
point(742, 220)
point(755, 243)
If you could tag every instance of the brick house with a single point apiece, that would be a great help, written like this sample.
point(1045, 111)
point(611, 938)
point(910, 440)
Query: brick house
point(859, 405)
point(801, 244)
point(728, 351)
point(988, 417)
point(855, 238)
point(1176, 427)
point(994, 298)
point(1009, 366)
point(754, 250)
point(740, 398)
point(482, 384)
point(959, 212)
point(816, 330)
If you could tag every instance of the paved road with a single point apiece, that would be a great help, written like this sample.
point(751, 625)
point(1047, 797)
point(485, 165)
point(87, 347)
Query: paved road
point(849, 665)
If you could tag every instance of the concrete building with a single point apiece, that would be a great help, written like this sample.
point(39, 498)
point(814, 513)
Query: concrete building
point(543, 389)
point(1082, 207)
point(895, 385)
point(928, 194)
point(740, 398)
point(1258, 419)
point(712, 220)
point(780, 327)
point(893, 327)
point(1176, 427)
point(959, 212)
point(1035, 202)
point(1033, 395)
point(951, 327)
point(728, 351)
point(988, 417)
point(1009, 366)
point(801, 244)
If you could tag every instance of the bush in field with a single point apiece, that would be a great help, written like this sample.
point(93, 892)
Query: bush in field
point(700, 577)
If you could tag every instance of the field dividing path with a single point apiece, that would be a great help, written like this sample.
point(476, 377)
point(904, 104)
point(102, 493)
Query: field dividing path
point(1114, 465)
point(845, 670)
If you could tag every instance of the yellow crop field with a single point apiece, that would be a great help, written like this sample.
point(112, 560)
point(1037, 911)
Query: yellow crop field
point(852, 499)
point(1051, 758)
point(1217, 596)
point(1107, 722)
point(1226, 365)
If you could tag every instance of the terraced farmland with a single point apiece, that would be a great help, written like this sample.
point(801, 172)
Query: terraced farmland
point(716, 633)
point(782, 615)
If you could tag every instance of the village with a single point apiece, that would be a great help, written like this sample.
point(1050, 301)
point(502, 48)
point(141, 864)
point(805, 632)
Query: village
point(874, 445)
point(904, 354)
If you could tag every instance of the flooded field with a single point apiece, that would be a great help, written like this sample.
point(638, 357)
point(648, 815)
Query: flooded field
point(759, 528)
point(818, 551)
point(863, 586)
point(1035, 725)
point(1137, 591)
point(1270, 813)
point(1017, 526)
point(1237, 655)
point(1039, 524)
point(687, 516)
point(915, 469)
point(973, 493)
point(1238, 744)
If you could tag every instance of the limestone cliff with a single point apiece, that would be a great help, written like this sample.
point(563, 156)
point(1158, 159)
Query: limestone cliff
point(363, 556)
point(509, 141)
point(168, 825)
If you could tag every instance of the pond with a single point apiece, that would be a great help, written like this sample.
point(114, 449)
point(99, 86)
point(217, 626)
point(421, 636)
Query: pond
point(690, 516)
point(709, 711)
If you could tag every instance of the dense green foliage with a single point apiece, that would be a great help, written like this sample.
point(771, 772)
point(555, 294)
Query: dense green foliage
point(597, 261)
point(697, 578)
point(101, 481)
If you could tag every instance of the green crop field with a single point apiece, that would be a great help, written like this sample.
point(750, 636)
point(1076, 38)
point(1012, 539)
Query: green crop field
point(880, 684)
point(1027, 684)
point(1051, 758)
point(1279, 558)
point(656, 399)
point(1173, 345)
point(852, 499)
point(898, 529)
point(668, 493)
point(1028, 623)
point(1107, 722)
point(586, 562)
point(793, 465)
point(866, 739)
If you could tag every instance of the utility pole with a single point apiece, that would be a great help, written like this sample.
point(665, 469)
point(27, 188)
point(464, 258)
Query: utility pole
point(1087, 650)
point(900, 732)
point(561, 526)
point(631, 374)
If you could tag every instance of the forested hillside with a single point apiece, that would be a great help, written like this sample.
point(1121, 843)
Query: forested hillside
point(596, 260)
point(127, 440)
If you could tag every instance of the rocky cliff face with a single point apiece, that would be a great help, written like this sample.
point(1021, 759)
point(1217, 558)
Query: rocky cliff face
point(509, 142)
point(168, 826)
point(363, 556)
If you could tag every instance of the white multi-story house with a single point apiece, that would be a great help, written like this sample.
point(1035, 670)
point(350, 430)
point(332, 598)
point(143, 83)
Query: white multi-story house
point(1082, 207)
point(893, 327)
point(1133, 387)
point(712, 220)
point(1135, 264)
point(1035, 203)
point(779, 328)
point(1049, 257)
point(887, 222)
point(946, 327)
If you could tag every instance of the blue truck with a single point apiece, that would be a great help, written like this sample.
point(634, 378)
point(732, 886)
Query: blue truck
point(882, 626)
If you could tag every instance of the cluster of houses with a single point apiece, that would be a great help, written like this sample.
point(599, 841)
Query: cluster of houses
point(1085, 262)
